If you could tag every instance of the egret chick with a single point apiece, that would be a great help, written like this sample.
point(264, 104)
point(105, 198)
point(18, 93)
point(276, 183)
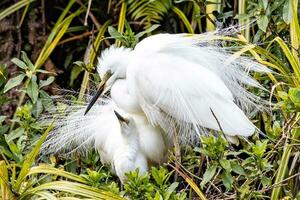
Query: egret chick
point(115, 134)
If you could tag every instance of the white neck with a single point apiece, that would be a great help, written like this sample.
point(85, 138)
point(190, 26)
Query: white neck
point(122, 97)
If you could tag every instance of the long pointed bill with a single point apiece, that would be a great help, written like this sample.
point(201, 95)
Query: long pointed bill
point(121, 118)
point(98, 93)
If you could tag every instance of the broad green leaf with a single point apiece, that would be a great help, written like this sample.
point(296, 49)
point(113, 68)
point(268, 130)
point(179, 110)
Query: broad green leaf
point(259, 148)
point(37, 108)
point(294, 94)
point(19, 63)
point(237, 168)
point(44, 83)
point(266, 181)
point(14, 134)
point(76, 70)
point(171, 189)
point(208, 175)
point(114, 33)
point(263, 23)
point(265, 4)
point(227, 180)
point(12, 146)
point(287, 12)
point(225, 164)
point(13, 82)
point(27, 60)
point(33, 89)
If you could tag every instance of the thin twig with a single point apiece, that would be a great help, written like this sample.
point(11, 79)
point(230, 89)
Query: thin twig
point(91, 15)
point(76, 37)
point(87, 12)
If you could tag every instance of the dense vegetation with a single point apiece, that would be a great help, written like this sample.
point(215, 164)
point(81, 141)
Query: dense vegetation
point(47, 45)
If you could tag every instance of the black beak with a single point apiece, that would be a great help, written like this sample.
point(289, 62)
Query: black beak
point(99, 92)
point(120, 118)
point(94, 99)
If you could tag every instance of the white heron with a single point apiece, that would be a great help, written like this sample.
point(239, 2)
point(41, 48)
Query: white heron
point(169, 82)
point(182, 79)
point(124, 141)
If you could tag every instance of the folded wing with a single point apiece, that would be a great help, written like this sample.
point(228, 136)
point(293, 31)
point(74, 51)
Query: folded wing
point(171, 87)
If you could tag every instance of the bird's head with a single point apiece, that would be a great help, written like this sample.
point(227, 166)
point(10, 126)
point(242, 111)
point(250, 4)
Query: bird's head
point(127, 123)
point(113, 64)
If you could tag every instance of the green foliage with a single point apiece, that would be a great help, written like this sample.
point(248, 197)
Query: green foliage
point(257, 169)
point(153, 185)
point(129, 38)
point(290, 100)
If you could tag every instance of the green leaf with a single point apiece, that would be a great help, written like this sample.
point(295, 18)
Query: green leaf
point(237, 168)
point(2, 118)
point(76, 70)
point(13, 82)
point(30, 158)
point(13, 8)
point(266, 181)
point(37, 108)
point(294, 94)
point(276, 129)
point(265, 4)
point(227, 180)
point(27, 60)
point(259, 148)
point(19, 63)
point(208, 175)
point(287, 12)
point(148, 30)
point(33, 89)
point(225, 164)
point(14, 134)
point(263, 23)
point(283, 95)
point(114, 33)
point(46, 82)
point(171, 189)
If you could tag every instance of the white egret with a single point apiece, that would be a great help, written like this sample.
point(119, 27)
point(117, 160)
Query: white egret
point(124, 141)
point(184, 79)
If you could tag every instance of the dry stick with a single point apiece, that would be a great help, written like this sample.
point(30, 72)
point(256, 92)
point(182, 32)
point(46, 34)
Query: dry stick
point(87, 12)
point(91, 15)
point(76, 37)
point(220, 128)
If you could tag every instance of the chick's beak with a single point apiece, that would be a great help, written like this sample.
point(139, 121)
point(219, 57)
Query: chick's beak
point(100, 90)
point(121, 118)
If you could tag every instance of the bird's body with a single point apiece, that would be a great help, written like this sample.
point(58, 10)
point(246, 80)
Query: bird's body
point(183, 80)
point(168, 83)
point(124, 146)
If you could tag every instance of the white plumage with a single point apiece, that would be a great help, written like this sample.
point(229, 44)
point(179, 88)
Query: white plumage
point(124, 146)
point(169, 83)
point(184, 82)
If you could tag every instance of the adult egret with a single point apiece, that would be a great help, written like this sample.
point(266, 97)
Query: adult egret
point(124, 141)
point(182, 79)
